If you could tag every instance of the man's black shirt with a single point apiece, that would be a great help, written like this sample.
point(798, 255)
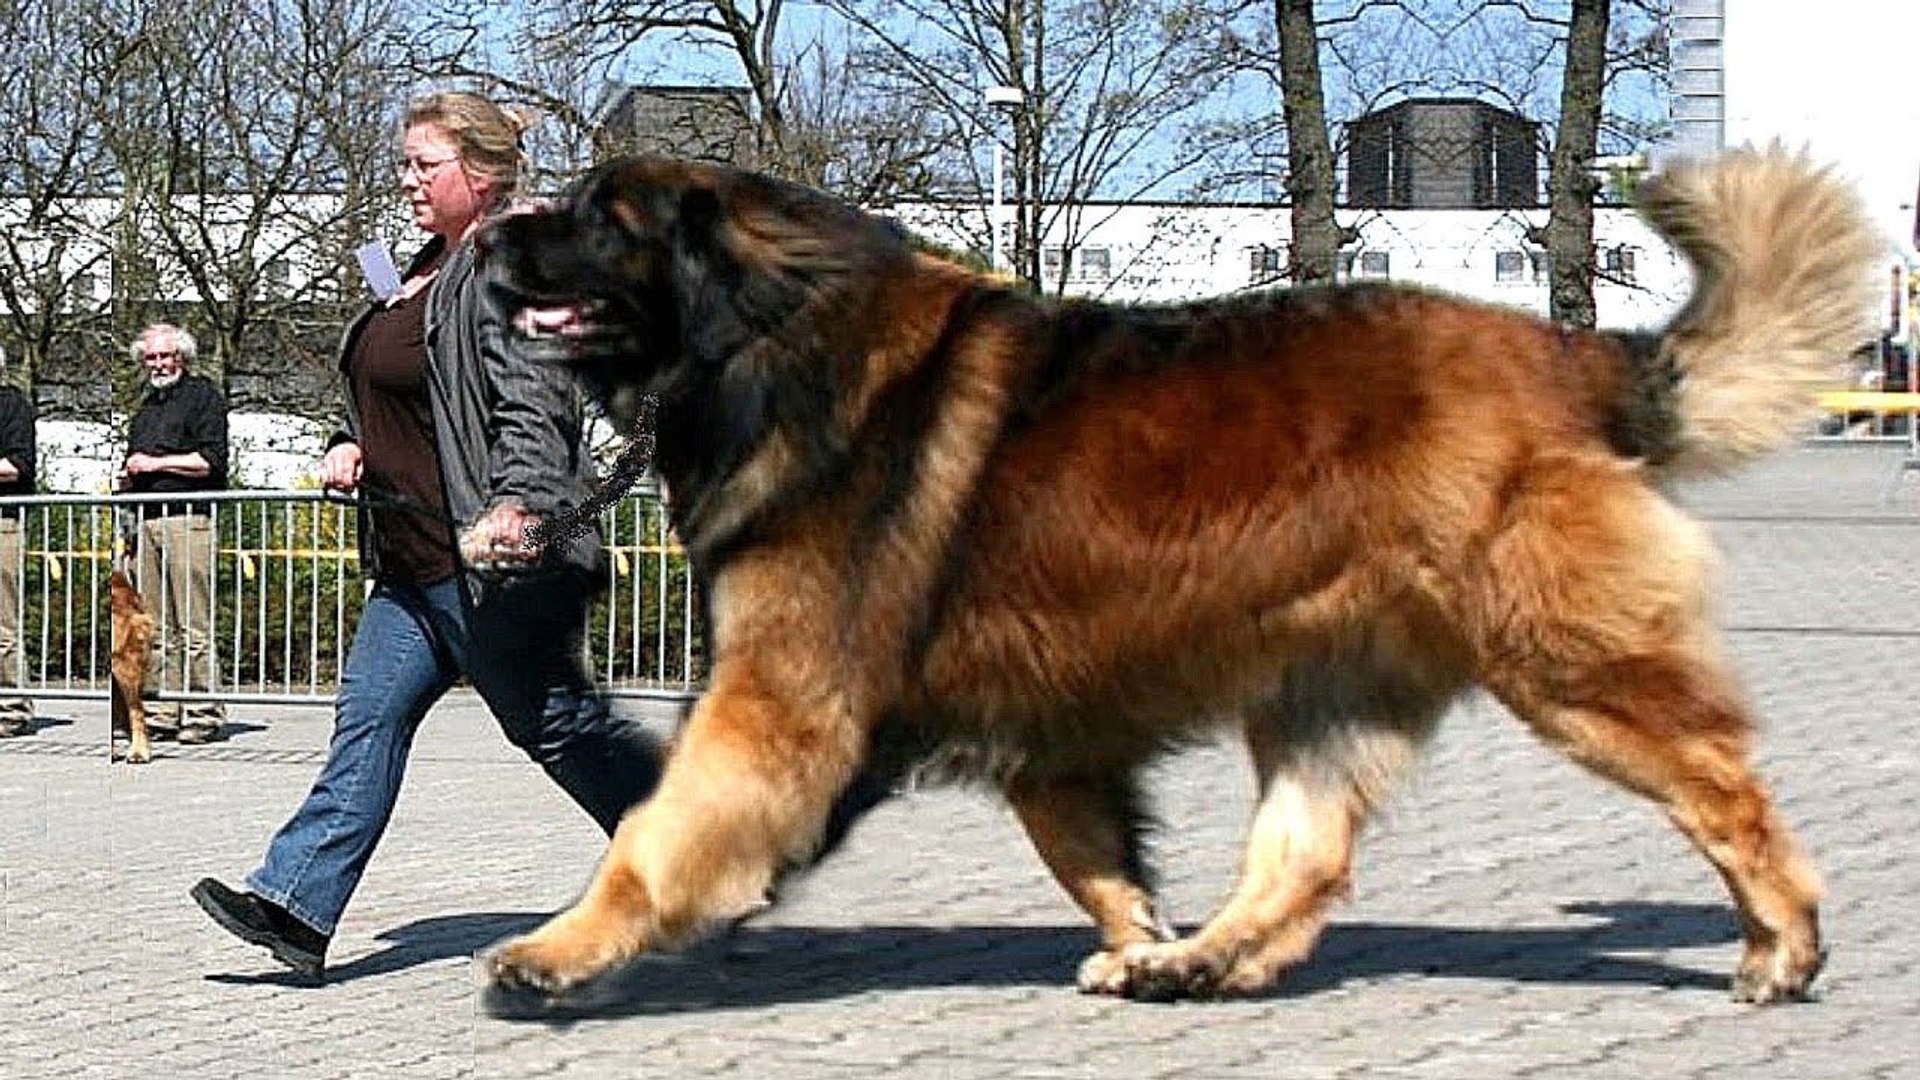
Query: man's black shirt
point(188, 417)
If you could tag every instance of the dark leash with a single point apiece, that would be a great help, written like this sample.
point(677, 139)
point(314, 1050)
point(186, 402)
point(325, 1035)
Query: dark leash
point(367, 496)
point(629, 468)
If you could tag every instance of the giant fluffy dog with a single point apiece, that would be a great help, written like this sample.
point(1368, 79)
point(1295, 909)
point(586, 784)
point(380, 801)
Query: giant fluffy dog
point(1036, 544)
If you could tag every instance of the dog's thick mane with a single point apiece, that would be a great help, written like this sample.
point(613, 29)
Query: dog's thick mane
point(781, 291)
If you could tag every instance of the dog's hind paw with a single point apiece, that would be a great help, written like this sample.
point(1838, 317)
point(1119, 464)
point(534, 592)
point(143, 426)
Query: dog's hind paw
point(554, 965)
point(1770, 977)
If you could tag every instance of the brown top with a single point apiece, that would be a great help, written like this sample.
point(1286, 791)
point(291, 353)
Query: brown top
point(388, 374)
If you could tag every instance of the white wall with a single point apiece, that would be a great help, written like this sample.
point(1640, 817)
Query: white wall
point(269, 450)
point(1168, 253)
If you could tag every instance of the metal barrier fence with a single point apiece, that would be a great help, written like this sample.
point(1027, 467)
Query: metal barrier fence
point(282, 569)
point(1875, 416)
point(257, 595)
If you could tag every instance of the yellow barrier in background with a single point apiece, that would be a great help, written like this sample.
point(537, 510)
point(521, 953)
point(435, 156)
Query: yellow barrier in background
point(1869, 401)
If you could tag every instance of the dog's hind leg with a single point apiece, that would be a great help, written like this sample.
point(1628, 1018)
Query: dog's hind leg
point(130, 714)
point(1327, 752)
point(1091, 834)
point(1608, 652)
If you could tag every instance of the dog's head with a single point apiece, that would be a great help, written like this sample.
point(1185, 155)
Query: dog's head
point(652, 274)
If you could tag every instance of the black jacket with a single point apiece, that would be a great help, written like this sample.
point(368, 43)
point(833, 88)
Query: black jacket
point(504, 427)
point(17, 444)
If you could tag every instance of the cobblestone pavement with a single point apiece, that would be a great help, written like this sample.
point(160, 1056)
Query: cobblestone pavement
point(1511, 916)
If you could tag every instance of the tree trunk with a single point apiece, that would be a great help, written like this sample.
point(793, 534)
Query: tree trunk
point(1570, 183)
point(1029, 17)
point(1317, 237)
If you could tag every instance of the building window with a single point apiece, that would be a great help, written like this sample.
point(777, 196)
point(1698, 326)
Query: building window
point(1375, 264)
point(1617, 264)
point(1086, 264)
point(1542, 263)
point(1509, 267)
point(83, 291)
point(276, 279)
point(1266, 263)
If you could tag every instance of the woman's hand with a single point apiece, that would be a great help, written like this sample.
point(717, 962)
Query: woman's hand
point(500, 539)
point(340, 469)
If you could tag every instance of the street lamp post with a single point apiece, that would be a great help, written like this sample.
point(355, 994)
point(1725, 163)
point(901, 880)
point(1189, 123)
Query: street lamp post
point(1005, 99)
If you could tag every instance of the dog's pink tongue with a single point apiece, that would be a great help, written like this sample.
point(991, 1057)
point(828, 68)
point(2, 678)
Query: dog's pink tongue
point(563, 321)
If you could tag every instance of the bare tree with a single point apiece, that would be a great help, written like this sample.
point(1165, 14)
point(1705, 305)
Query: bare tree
point(1601, 63)
point(54, 175)
point(1338, 57)
point(1579, 62)
point(253, 147)
point(1105, 89)
point(881, 101)
point(569, 59)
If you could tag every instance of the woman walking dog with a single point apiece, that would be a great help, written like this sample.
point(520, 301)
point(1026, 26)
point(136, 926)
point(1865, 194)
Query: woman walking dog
point(445, 427)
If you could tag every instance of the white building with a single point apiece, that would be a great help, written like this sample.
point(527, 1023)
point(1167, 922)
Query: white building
point(1159, 252)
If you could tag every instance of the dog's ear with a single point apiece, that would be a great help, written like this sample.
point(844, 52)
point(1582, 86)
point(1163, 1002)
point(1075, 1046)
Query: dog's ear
point(708, 272)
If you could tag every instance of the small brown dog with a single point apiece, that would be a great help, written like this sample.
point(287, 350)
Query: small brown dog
point(132, 637)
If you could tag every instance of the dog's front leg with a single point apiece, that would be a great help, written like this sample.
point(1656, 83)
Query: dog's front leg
point(748, 785)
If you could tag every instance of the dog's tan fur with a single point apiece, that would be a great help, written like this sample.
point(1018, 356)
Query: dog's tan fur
point(1314, 518)
point(132, 635)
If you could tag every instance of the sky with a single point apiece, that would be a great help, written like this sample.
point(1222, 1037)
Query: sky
point(1843, 85)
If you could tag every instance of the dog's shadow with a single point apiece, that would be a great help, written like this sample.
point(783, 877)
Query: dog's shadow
point(787, 964)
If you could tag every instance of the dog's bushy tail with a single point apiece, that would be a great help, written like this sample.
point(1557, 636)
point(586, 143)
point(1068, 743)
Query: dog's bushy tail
point(1784, 258)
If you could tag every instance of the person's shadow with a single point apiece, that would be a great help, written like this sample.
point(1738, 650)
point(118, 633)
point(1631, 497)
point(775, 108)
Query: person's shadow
point(50, 723)
point(786, 964)
point(425, 941)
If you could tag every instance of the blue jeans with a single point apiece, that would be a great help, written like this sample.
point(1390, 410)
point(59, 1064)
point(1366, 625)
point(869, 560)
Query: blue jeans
point(520, 649)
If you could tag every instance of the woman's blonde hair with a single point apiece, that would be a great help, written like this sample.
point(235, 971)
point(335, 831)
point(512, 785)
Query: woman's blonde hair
point(486, 134)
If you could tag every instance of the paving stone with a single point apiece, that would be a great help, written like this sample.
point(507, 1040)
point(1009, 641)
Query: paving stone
point(1512, 915)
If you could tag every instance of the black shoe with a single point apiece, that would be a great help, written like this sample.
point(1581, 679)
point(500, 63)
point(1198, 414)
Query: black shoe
point(262, 922)
point(201, 732)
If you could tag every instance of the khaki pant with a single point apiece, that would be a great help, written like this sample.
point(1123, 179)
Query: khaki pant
point(176, 581)
point(13, 654)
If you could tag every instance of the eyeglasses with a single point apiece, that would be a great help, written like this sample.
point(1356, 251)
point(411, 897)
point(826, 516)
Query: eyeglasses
point(161, 354)
point(424, 170)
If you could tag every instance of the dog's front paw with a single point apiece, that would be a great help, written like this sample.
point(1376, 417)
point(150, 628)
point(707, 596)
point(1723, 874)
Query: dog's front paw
point(526, 965)
point(1156, 971)
point(552, 962)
